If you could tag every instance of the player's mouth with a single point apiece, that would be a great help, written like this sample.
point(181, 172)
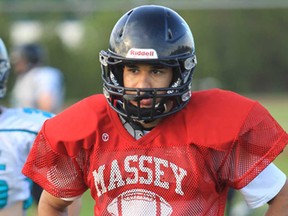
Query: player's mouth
point(144, 103)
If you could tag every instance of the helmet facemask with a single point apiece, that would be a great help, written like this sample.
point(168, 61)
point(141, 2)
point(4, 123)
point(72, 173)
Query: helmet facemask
point(119, 97)
point(4, 69)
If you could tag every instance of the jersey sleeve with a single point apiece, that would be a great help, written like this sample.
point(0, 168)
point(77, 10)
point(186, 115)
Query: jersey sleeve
point(59, 174)
point(260, 140)
point(264, 187)
point(59, 159)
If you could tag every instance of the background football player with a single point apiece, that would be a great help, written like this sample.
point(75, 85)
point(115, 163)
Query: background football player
point(18, 129)
point(37, 84)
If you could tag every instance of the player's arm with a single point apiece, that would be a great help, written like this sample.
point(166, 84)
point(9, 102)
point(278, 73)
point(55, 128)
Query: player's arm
point(45, 102)
point(271, 187)
point(279, 204)
point(50, 205)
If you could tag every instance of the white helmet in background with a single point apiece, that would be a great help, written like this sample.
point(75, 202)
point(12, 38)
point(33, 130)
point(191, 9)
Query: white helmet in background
point(4, 68)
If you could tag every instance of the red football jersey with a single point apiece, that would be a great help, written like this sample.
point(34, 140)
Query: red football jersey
point(184, 166)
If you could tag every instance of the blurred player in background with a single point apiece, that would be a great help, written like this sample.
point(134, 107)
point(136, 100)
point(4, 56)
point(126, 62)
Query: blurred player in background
point(37, 86)
point(18, 129)
point(147, 146)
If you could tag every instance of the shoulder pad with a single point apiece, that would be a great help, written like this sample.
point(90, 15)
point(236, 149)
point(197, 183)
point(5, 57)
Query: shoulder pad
point(76, 125)
point(216, 116)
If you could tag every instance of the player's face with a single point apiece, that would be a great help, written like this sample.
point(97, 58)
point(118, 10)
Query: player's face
point(20, 65)
point(146, 76)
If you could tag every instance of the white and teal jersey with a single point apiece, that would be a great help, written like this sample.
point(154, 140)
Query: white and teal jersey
point(18, 129)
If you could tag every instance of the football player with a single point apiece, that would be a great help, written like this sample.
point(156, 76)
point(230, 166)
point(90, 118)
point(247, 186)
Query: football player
point(37, 85)
point(146, 146)
point(18, 129)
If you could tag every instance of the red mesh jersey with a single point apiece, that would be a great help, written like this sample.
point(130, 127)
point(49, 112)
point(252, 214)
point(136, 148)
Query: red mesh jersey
point(184, 166)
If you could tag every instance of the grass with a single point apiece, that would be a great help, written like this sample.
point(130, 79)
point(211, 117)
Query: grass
point(277, 105)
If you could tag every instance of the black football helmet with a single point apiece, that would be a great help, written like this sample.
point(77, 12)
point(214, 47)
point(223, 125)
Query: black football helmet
point(4, 69)
point(154, 35)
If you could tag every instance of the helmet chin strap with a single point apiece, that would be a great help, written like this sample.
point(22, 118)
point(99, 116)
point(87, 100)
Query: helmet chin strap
point(146, 112)
point(132, 110)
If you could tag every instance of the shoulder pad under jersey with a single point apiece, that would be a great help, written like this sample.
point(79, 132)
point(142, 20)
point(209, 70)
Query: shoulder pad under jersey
point(76, 125)
point(216, 116)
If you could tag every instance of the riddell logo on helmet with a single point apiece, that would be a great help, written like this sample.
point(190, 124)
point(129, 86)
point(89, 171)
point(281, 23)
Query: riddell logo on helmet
point(142, 54)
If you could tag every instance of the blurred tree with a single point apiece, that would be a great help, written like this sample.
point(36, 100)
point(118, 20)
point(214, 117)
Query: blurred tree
point(245, 49)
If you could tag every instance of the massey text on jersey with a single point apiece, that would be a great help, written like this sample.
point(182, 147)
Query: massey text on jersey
point(146, 170)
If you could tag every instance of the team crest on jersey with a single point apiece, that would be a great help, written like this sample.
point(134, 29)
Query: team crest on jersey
point(139, 202)
point(105, 137)
point(136, 53)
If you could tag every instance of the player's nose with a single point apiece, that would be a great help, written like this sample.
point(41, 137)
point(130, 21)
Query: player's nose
point(144, 80)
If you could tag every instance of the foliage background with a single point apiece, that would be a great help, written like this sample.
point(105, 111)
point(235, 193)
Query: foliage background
point(241, 49)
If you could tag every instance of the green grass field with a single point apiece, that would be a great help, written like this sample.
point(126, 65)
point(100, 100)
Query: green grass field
point(277, 105)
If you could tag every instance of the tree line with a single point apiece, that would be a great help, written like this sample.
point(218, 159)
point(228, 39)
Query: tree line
point(241, 50)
